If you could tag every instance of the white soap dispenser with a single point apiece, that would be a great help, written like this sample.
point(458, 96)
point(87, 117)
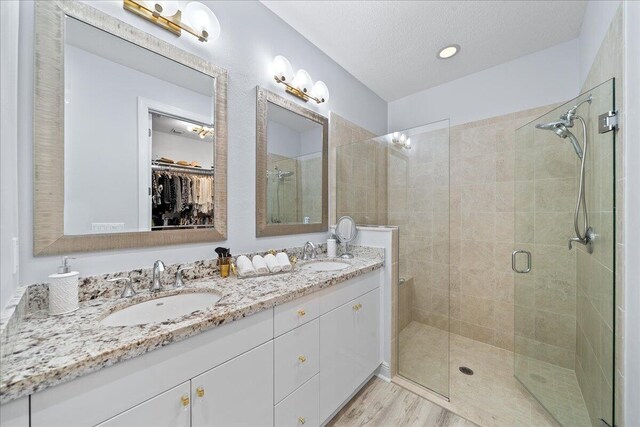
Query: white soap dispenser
point(63, 290)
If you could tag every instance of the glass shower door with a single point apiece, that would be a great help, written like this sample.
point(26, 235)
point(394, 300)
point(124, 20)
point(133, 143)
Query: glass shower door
point(563, 262)
point(402, 179)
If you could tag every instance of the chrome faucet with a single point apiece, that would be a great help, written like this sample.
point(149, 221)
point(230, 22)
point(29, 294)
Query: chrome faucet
point(158, 267)
point(309, 251)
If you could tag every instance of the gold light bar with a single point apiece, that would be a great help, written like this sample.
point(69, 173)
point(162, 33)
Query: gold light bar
point(297, 92)
point(173, 24)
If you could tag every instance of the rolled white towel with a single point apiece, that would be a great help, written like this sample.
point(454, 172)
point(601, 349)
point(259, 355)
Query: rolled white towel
point(283, 260)
point(245, 267)
point(259, 265)
point(272, 263)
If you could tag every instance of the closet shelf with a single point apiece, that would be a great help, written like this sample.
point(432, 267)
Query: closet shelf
point(159, 166)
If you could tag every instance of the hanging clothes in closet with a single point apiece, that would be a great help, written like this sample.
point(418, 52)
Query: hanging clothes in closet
point(181, 199)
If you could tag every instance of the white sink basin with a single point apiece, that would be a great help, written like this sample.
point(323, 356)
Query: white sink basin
point(325, 266)
point(161, 309)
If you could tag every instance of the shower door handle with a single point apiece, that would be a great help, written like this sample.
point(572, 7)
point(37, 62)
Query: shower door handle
point(513, 261)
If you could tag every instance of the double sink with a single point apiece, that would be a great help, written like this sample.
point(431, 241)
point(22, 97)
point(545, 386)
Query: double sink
point(174, 306)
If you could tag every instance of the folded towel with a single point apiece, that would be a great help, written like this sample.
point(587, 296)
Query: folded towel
point(244, 266)
point(283, 260)
point(259, 265)
point(272, 263)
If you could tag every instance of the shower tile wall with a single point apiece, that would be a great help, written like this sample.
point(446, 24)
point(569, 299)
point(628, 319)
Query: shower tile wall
point(359, 171)
point(310, 190)
point(595, 305)
point(483, 183)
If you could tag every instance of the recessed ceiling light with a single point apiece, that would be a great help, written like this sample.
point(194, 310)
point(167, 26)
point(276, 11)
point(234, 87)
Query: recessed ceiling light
point(449, 51)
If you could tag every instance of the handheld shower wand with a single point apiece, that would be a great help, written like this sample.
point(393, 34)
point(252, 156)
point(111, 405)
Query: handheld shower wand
point(560, 128)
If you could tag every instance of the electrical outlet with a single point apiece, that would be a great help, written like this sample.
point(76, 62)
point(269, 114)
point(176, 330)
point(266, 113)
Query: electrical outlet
point(107, 227)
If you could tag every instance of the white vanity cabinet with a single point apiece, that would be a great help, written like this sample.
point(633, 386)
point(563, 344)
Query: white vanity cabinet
point(169, 409)
point(349, 349)
point(236, 393)
point(294, 365)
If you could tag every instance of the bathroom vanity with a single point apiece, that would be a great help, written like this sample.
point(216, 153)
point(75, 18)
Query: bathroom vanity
point(286, 350)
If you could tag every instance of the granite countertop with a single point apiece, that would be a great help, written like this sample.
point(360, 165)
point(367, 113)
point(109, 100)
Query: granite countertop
point(47, 350)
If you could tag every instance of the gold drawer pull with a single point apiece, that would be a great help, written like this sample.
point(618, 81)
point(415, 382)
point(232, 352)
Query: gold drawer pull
point(200, 391)
point(301, 420)
point(302, 359)
point(301, 312)
point(356, 307)
point(359, 306)
point(185, 400)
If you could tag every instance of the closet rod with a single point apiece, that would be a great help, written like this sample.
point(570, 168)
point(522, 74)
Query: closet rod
point(179, 168)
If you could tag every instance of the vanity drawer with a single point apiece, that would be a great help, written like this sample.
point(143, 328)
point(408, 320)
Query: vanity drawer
point(295, 313)
point(296, 360)
point(335, 296)
point(300, 407)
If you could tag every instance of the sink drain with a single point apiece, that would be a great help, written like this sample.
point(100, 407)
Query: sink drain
point(465, 370)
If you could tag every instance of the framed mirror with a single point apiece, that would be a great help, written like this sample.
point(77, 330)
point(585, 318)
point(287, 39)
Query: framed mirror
point(291, 167)
point(130, 137)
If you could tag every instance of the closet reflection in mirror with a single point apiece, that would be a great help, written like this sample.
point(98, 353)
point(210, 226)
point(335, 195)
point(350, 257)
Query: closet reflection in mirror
point(139, 137)
point(294, 168)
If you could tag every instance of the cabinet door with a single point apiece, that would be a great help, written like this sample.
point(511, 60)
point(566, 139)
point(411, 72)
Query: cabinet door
point(367, 332)
point(337, 348)
point(170, 409)
point(236, 393)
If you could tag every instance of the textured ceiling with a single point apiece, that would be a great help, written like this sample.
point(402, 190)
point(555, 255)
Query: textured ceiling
point(391, 46)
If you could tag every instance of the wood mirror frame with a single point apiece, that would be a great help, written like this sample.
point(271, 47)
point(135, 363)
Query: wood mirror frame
point(49, 141)
point(264, 98)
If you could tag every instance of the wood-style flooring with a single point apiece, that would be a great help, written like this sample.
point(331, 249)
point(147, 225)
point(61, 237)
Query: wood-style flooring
point(384, 404)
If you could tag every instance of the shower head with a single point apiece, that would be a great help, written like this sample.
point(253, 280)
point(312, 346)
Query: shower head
point(560, 129)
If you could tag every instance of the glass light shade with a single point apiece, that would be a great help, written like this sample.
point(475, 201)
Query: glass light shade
point(282, 69)
point(407, 143)
point(403, 138)
point(320, 91)
point(169, 7)
point(302, 81)
point(201, 18)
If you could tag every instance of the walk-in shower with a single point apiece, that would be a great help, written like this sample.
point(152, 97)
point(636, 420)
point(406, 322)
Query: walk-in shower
point(538, 341)
point(276, 188)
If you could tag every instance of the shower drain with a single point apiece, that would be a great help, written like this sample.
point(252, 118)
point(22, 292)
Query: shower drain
point(465, 370)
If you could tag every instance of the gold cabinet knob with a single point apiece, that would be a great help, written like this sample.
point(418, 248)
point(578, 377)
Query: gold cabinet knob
point(185, 400)
point(356, 308)
point(359, 306)
point(200, 391)
point(302, 359)
point(301, 420)
point(301, 312)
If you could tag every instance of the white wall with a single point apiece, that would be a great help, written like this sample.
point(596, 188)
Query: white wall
point(282, 140)
point(595, 24)
point(251, 36)
point(541, 78)
point(631, 111)
point(9, 14)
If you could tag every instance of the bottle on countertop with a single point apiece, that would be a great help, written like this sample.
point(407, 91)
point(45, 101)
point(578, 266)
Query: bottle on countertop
point(332, 246)
point(63, 289)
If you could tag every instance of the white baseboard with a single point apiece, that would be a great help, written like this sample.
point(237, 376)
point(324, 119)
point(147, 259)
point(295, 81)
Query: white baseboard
point(384, 372)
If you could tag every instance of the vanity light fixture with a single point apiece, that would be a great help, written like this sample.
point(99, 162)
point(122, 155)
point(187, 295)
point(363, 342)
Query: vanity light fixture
point(401, 140)
point(448, 51)
point(196, 19)
point(300, 84)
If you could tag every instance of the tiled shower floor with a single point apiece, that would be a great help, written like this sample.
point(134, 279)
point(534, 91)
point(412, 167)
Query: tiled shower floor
point(492, 396)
